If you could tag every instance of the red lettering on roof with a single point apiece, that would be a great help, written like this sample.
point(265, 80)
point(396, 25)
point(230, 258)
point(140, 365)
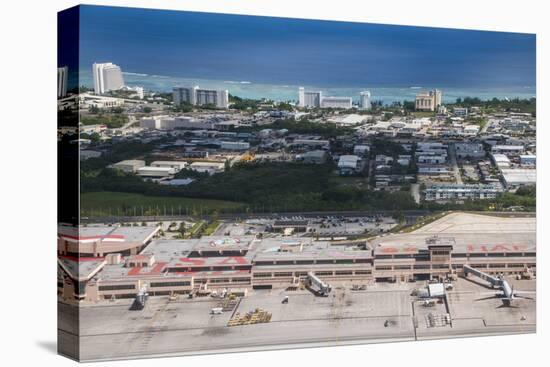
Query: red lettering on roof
point(389, 250)
point(233, 260)
point(519, 247)
point(80, 238)
point(192, 261)
point(156, 269)
point(499, 248)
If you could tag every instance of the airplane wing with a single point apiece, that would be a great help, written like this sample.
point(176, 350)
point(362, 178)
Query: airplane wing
point(490, 297)
point(525, 295)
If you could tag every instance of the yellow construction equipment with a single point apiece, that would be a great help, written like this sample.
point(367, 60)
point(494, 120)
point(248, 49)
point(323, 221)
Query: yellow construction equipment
point(247, 157)
point(257, 316)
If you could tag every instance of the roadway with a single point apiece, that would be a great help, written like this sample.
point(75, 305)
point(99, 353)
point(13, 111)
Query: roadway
point(244, 216)
point(454, 164)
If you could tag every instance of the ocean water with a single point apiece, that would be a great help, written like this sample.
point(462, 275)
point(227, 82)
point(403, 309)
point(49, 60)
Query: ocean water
point(287, 92)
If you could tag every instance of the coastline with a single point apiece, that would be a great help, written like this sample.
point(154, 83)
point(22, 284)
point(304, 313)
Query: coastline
point(287, 92)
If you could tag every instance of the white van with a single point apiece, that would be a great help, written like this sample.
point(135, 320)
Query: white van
point(216, 311)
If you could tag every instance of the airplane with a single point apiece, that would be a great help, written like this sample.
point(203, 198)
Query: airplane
point(507, 294)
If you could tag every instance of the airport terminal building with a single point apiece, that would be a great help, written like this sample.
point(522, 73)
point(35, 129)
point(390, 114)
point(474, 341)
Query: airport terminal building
point(118, 262)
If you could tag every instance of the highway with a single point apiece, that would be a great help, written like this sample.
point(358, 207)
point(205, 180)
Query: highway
point(243, 216)
point(409, 215)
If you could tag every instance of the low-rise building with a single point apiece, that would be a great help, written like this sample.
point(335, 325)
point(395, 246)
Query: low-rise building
point(172, 123)
point(208, 167)
point(177, 165)
point(469, 150)
point(431, 159)
point(461, 192)
point(528, 159)
point(314, 157)
point(87, 154)
point(404, 159)
point(129, 165)
point(348, 164)
point(507, 149)
point(501, 161)
point(471, 130)
point(361, 150)
point(518, 177)
point(156, 172)
point(460, 111)
point(235, 145)
point(433, 170)
point(312, 143)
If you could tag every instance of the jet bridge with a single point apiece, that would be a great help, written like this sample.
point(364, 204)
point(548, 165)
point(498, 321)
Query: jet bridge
point(494, 281)
point(508, 294)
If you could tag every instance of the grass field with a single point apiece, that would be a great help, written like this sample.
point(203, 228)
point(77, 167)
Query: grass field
point(208, 231)
point(105, 203)
point(421, 114)
point(348, 180)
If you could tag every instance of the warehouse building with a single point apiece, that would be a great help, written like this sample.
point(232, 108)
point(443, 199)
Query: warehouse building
point(348, 165)
point(501, 161)
point(177, 165)
point(208, 167)
point(514, 178)
point(129, 166)
point(156, 172)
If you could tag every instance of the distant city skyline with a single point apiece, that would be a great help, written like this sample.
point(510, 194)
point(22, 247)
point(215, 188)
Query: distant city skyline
point(295, 51)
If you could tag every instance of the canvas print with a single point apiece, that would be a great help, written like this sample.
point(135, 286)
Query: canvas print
point(237, 183)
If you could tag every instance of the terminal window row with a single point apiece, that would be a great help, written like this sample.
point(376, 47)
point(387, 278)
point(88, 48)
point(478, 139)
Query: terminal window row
point(116, 287)
point(303, 274)
point(171, 284)
point(310, 262)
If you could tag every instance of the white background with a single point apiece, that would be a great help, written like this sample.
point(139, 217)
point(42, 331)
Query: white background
point(28, 179)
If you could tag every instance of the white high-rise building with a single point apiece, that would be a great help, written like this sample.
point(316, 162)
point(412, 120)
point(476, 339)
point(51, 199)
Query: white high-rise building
point(336, 102)
point(219, 98)
point(365, 100)
point(62, 77)
point(185, 95)
point(107, 76)
point(196, 96)
point(428, 101)
point(309, 98)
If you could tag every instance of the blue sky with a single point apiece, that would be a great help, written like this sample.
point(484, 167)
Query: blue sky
point(281, 51)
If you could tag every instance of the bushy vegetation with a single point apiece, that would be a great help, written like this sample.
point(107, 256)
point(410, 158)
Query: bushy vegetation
point(105, 203)
point(262, 187)
point(304, 126)
point(111, 120)
point(116, 153)
point(238, 103)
